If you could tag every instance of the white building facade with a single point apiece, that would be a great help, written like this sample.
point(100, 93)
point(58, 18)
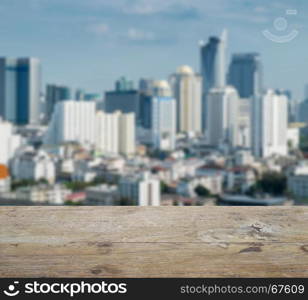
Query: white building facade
point(9, 142)
point(78, 121)
point(29, 165)
point(72, 121)
point(115, 133)
point(269, 125)
point(222, 116)
point(143, 190)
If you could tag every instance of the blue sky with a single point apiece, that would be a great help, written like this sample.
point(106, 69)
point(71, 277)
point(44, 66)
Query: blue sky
point(90, 43)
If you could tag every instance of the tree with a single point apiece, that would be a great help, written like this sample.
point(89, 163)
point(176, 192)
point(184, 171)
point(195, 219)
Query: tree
point(201, 191)
point(164, 187)
point(272, 183)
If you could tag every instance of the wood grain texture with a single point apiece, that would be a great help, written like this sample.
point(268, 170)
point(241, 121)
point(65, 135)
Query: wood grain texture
point(153, 242)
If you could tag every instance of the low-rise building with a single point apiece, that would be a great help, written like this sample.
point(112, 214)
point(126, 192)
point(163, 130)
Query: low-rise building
point(240, 179)
point(142, 190)
point(103, 195)
point(213, 183)
point(298, 180)
point(5, 180)
point(43, 194)
point(33, 165)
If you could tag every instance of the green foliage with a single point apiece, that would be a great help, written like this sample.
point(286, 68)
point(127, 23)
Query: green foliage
point(303, 145)
point(164, 187)
point(72, 203)
point(201, 191)
point(272, 183)
point(77, 186)
point(26, 182)
point(127, 202)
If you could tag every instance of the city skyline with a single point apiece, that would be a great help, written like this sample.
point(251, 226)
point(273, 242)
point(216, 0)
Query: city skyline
point(107, 40)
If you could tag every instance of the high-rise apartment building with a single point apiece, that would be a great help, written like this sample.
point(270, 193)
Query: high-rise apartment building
point(223, 116)
point(244, 123)
point(78, 121)
point(269, 124)
point(115, 133)
point(187, 90)
point(20, 90)
point(245, 74)
point(72, 121)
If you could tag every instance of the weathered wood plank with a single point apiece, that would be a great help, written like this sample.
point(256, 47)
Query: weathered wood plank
point(153, 242)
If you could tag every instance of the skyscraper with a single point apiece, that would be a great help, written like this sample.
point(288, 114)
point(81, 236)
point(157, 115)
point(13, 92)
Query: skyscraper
point(54, 94)
point(20, 90)
point(163, 116)
point(80, 95)
point(187, 90)
point(269, 124)
point(124, 99)
point(213, 64)
point(146, 86)
point(245, 74)
point(223, 116)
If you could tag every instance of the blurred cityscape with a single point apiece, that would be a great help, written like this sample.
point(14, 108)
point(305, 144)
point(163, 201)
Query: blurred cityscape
point(212, 137)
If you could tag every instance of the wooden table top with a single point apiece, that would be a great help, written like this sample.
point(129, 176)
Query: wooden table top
point(153, 242)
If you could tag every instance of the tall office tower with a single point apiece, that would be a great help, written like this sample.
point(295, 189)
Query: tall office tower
point(9, 142)
point(115, 133)
point(72, 121)
point(54, 94)
point(222, 116)
point(123, 84)
point(80, 95)
point(146, 86)
point(303, 111)
point(124, 99)
point(145, 94)
point(187, 90)
point(269, 124)
point(20, 90)
point(213, 65)
point(142, 190)
point(245, 74)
